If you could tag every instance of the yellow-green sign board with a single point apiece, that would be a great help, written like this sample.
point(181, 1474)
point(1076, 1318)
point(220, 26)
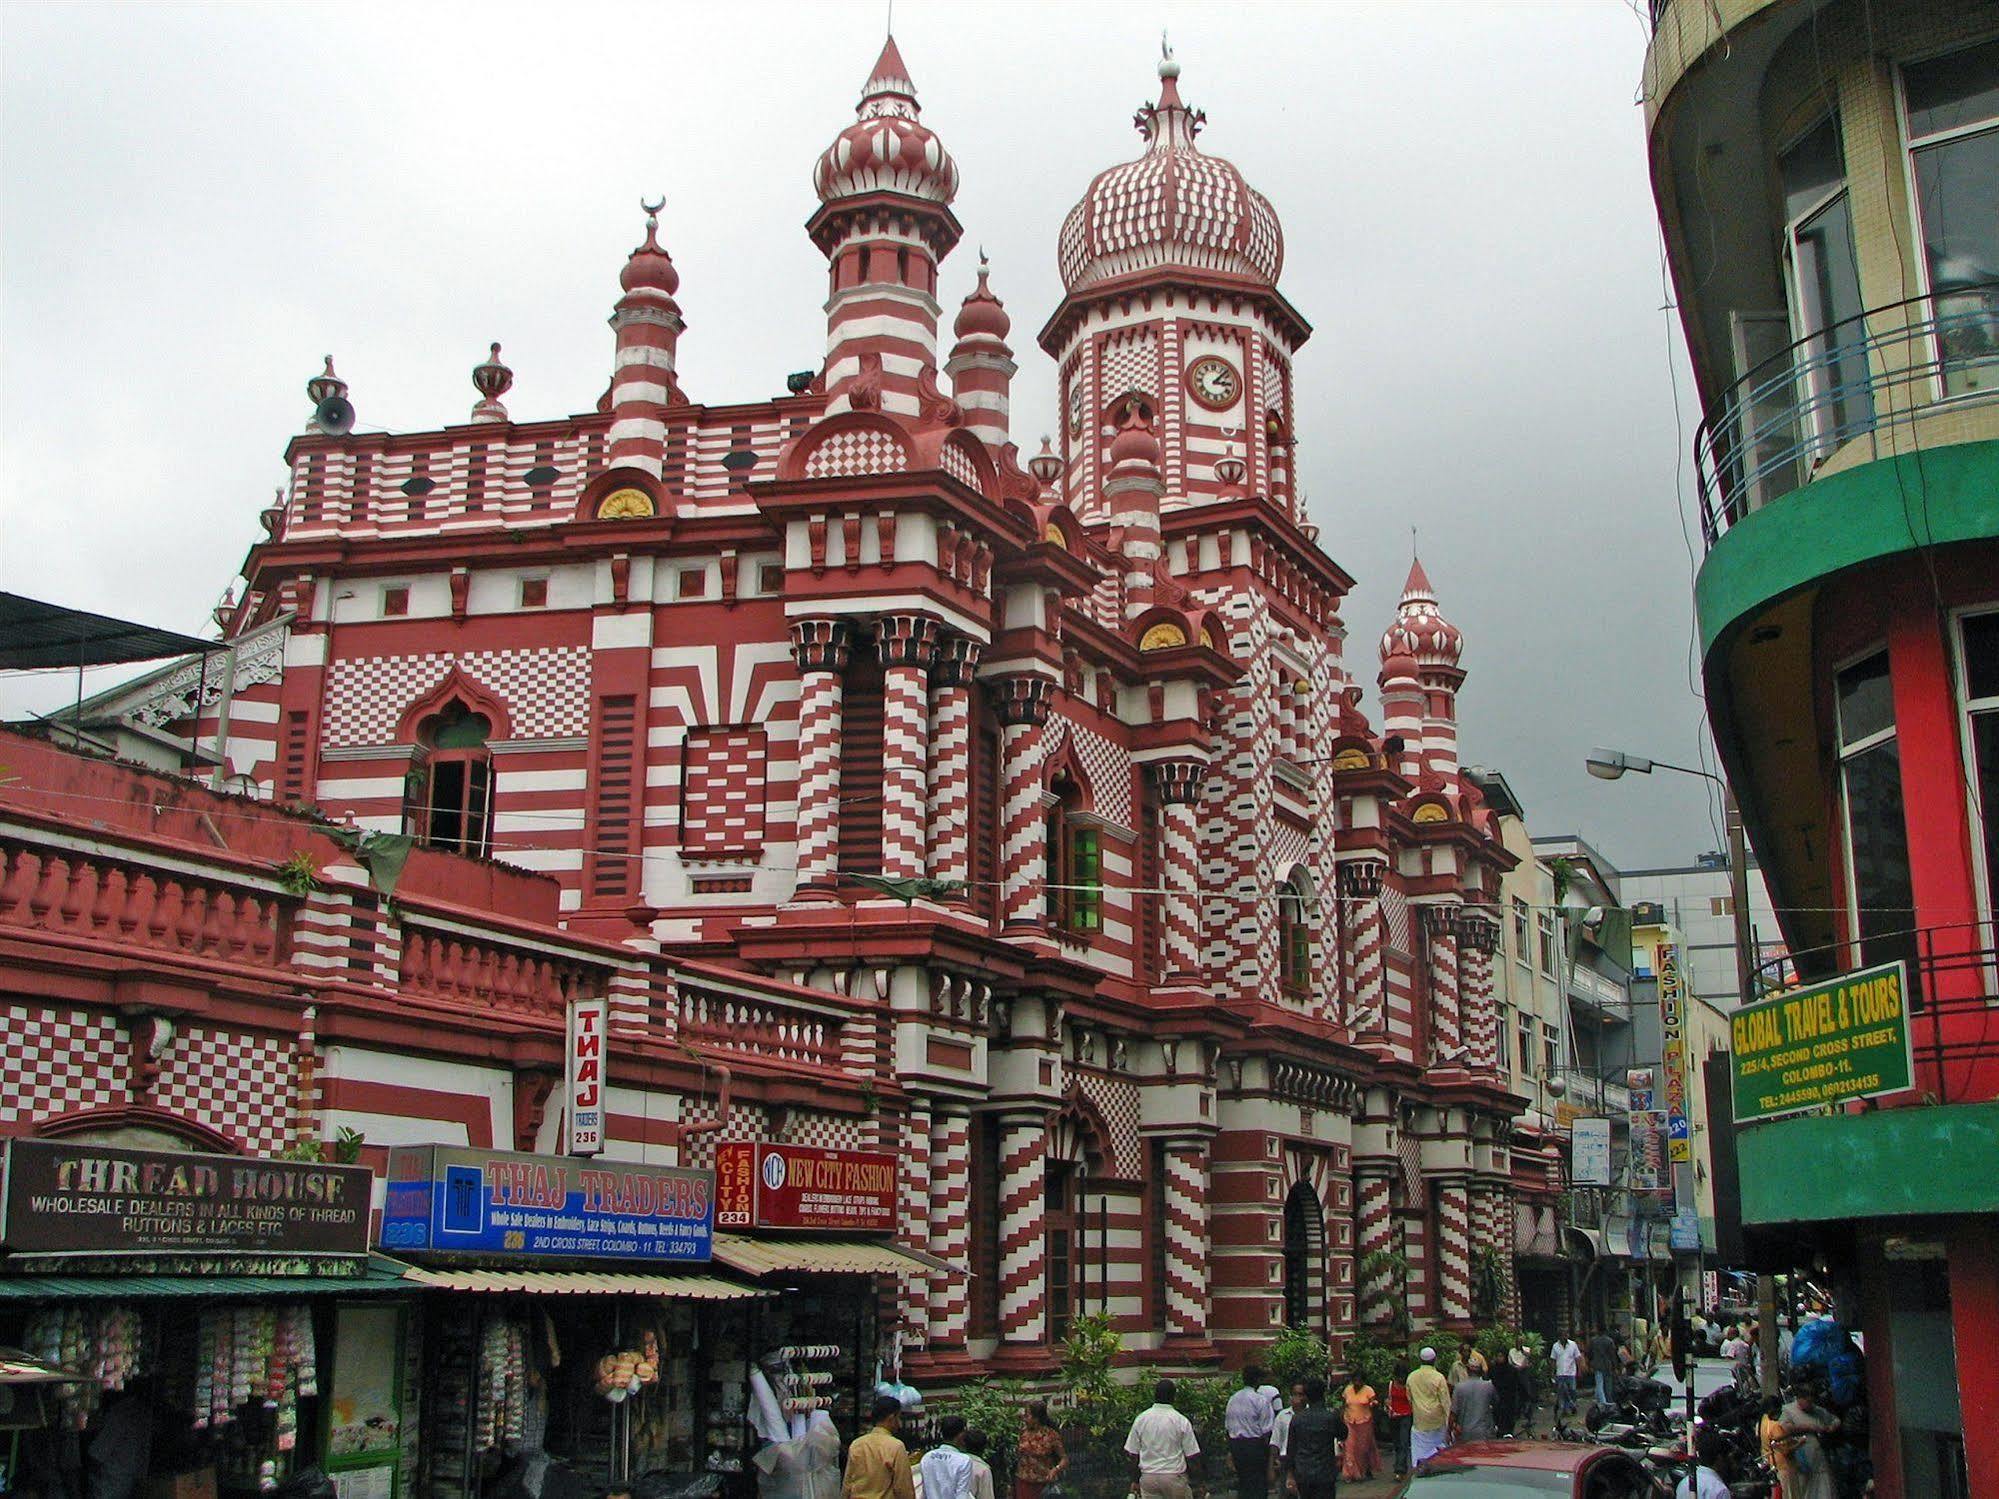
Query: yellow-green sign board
point(1823, 1044)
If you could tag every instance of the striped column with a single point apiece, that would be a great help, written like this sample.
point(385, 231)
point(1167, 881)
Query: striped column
point(1187, 1239)
point(1453, 1249)
point(1440, 723)
point(1446, 1011)
point(919, 1289)
point(950, 1225)
point(1023, 1230)
point(907, 642)
point(1022, 706)
point(1492, 1229)
point(1374, 1233)
point(647, 324)
point(819, 646)
point(1367, 966)
point(1179, 783)
point(1402, 713)
point(951, 758)
point(1481, 1013)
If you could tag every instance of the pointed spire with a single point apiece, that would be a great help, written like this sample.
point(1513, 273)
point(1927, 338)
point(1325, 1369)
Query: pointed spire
point(1417, 588)
point(650, 268)
point(1169, 125)
point(889, 78)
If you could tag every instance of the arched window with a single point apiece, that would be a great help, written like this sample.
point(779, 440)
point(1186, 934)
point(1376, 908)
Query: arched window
point(448, 798)
point(1304, 1258)
point(1075, 864)
point(1294, 937)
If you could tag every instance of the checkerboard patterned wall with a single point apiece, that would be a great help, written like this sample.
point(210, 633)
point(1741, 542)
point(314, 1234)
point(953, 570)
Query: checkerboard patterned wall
point(547, 691)
point(238, 1083)
point(60, 1061)
point(722, 791)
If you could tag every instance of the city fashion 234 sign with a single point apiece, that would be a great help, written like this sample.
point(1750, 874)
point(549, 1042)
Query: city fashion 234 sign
point(762, 1185)
point(1823, 1044)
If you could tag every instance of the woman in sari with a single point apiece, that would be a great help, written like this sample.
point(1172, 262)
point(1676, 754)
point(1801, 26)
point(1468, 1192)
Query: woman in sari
point(1361, 1454)
point(1038, 1458)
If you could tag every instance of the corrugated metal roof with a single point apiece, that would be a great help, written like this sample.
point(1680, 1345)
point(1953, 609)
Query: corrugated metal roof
point(827, 1256)
point(383, 1275)
point(583, 1283)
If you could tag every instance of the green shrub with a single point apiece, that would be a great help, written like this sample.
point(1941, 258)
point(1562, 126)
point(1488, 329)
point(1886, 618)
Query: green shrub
point(1296, 1353)
point(994, 1407)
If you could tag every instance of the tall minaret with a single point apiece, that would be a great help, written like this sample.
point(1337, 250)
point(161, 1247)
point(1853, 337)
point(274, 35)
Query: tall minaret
point(981, 366)
point(1421, 677)
point(885, 186)
point(647, 322)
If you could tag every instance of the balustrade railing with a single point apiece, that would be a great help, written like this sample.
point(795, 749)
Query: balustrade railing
point(86, 895)
point(491, 975)
point(758, 1027)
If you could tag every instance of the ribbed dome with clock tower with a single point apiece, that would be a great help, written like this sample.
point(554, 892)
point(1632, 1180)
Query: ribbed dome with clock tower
point(1169, 267)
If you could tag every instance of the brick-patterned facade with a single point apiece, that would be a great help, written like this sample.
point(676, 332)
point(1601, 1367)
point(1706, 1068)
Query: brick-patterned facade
point(1164, 945)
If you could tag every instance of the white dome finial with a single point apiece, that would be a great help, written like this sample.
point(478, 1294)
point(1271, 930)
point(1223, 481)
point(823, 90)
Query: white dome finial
point(1168, 68)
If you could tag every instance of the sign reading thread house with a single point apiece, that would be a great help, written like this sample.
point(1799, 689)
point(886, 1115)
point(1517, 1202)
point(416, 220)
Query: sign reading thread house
point(1822, 1044)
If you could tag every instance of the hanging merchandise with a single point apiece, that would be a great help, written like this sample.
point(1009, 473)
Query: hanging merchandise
point(103, 1342)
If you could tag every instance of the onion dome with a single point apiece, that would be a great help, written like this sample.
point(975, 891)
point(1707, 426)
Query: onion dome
point(326, 385)
point(1174, 206)
point(650, 267)
point(888, 149)
point(1421, 635)
point(1135, 449)
point(983, 315)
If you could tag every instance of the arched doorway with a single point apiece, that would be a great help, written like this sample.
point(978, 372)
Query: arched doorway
point(1304, 1259)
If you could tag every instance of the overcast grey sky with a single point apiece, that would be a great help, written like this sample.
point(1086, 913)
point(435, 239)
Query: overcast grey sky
point(196, 202)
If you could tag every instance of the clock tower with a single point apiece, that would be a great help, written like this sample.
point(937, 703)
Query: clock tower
point(1169, 265)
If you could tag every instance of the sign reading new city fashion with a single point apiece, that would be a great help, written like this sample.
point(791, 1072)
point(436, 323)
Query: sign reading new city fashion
point(1824, 1043)
point(450, 1199)
point(761, 1185)
point(73, 1199)
point(583, 1051)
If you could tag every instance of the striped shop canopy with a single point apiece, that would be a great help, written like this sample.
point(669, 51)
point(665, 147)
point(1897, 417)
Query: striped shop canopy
point(581, 1283)
point(825, 1256)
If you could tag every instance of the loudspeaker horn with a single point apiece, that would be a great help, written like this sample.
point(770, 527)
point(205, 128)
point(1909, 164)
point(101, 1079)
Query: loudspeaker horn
point(334, 415)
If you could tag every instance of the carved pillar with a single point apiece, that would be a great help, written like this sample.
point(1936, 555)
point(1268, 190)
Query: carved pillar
point(1446, 1012)
point(820, 648)
point(1023, 1248)
point(1179, 783)
point(951, 758)
point(1187, 1238)
point(1022, 704)
point(907, 642)
point(1367, 967)
point(1453, 1248)
point(1478, 940)
point(1374, 1233)
point(950, 1226)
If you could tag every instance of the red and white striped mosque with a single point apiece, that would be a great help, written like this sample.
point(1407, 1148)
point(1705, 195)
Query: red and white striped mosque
point(1021, 819)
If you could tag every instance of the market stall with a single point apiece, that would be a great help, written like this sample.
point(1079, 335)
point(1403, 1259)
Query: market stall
point(230, 1322)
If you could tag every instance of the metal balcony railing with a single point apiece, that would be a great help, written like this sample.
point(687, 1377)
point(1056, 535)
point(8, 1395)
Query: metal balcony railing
point(1769, 432)
point(1953, 998)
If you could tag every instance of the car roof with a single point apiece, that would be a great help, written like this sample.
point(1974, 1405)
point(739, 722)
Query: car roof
point(1548, 1457)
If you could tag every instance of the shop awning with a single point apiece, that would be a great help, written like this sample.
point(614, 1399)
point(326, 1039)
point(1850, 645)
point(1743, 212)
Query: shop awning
point(381, 1276)
point(690, 1287)
point(827, 1256)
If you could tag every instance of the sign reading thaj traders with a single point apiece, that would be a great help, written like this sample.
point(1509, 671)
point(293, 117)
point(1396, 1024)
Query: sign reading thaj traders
point(73, 1199)
point(1823, 1044)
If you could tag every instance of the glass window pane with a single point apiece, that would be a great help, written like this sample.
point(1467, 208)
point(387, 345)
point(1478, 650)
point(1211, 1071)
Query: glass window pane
point(1812, 168)
point(1829, 303)
point(1985, 776)
point(1878, 841)
point(1957, 196)
point(1949, 92)
point(1981, 656)
point(1866, 700)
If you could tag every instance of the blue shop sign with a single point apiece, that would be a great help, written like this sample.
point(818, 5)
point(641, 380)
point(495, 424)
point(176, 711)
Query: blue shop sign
point(451, 1199)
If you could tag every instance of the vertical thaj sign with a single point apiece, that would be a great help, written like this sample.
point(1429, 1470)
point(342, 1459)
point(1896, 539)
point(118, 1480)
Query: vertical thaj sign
point(585, 1076)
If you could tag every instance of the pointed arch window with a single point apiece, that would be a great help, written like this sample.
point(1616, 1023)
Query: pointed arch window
point(1294, 936)
point(1075, 863)
point(448, 797)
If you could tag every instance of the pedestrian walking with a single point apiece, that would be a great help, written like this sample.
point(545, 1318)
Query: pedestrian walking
point(1567, 1356)
point(947, 1467)
point(1804, 1420)
point(1472, 1403)
point(1039, 1458)
point(982, 1471)
point(1508, 1385)
point(1398, 1416)
point(1357, 1405)
point(1603, 1364)
point(1312, 1448)
point(1160, 1442)
point(1248, 1418)
point(1280, 1430)
point(878, 1463)
point(1429, 1409)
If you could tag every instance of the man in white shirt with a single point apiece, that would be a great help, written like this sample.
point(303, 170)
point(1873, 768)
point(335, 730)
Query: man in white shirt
point(1160, 1442)
point(1568, 1358)
point(1280, 1429)
point(1252, 1410)
point(1703, 1482)
point(946, 1472)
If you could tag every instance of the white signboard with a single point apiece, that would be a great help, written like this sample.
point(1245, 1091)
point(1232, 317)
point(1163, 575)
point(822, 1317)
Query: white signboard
point(1589, 1153)
point(584, 1075)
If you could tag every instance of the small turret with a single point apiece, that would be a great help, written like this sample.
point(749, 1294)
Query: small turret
point(648, 325)
point(981, 366)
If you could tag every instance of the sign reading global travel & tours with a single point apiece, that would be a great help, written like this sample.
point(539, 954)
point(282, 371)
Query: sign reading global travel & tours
point(74, 1199)
point(760, 1185)
point(450, 1199)
point(1824, 1043)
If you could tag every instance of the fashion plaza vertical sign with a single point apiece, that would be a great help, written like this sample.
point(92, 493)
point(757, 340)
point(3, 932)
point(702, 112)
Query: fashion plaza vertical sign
point(584, 1075)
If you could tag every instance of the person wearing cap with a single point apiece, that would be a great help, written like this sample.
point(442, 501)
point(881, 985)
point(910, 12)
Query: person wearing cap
point(878, 1463)
point(1429, 1409)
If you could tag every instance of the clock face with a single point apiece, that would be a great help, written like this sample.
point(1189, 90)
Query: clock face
point(1213, 382)
point(1075, 408)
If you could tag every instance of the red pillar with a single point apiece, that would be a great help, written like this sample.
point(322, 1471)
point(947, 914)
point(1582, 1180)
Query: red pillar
point(1973, 1258)
point(1884, 1426)
point(1933, 777)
